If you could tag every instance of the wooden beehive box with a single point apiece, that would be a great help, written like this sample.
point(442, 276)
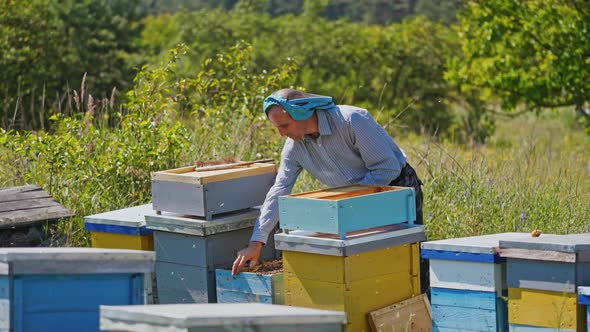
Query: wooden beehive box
point(121, 229)
point(207, 191)
point(189, 249)
point(542, 276)
point(584, 300)
point(263, 287)
point(347, 209)
point(368, 271)
point(468, 282)
point(61, 289)
point(238, 317)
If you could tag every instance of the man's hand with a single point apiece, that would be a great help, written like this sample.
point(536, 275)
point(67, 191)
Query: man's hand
point(251, 253)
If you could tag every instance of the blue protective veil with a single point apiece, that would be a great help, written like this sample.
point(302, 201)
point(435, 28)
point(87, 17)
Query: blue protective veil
point(299, 109)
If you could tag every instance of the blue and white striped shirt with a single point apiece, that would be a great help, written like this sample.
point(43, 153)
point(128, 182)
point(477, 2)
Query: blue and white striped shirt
point(352, 149)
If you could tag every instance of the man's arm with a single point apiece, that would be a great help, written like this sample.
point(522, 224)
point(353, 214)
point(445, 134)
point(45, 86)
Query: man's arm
point(269, 213)
point(378, 150)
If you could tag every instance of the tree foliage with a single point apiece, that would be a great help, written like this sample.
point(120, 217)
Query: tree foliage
point(532, 53)
point(48, 45)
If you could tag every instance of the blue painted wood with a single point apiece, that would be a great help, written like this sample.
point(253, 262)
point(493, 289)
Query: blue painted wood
point(248, 283)
point(546, 275)
point(461, 317)
point(583, 299)
point(225, 296)
point(463, 298)
point(129, 221)
point(69, 302)
point(436, 328)
point(117, 229)
point(528, 328)
point(449, 306)
point(348, 214)
point(461, 256)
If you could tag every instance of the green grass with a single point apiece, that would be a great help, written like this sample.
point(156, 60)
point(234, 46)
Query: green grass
point(533, 174)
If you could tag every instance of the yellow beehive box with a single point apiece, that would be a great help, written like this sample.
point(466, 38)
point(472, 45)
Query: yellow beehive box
point(367, 271)
point(542, 308)
point(121, 229)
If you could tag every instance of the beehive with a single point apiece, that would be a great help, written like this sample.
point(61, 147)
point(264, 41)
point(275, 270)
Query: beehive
point(584, 300)
point(367, 271)
point(238, 317)
point(249, 287)
point(121, 229)
point(347, 209)
point(543, 275)
point(124, 229)
point(205, 193)
point(468, 282)
point(189, 249)
point(61, 289)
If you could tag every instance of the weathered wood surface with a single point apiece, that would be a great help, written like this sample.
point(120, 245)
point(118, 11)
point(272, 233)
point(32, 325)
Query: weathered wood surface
point(28, 205)
point(412, 315)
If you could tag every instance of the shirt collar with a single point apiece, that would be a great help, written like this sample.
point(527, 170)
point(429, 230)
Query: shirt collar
point(323, 125)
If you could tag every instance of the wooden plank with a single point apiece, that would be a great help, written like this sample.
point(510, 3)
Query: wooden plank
point(542, 255)
point(14, 190)
point(546, 275)
point(411, 315)
point(27, 204)
point(24, 195)
point(32, 216)
point(194, 177)
point(544, 309)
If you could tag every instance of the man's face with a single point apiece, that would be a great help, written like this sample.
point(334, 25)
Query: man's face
point(293, 129)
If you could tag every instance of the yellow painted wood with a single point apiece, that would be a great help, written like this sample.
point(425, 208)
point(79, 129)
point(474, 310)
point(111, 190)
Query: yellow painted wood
point(404, 258)
point(278, 288)
point(356, 284)
point(545, 309)
point(122, 241)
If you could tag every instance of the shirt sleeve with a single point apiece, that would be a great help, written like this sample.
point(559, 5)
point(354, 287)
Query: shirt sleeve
point(288, 172)
point(377, 149)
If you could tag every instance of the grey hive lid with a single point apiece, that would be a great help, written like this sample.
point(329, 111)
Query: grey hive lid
point(362, 241)
point(483, 244)
point(177, 223)
point(571, 243)
point(74, 261)
point(212, 314)
point(130, 217)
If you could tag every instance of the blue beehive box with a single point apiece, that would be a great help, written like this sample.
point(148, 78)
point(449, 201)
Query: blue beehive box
point(347, 209)
point(584, 299)
point(238, 317)
point(249, 287)
point(468, 282)
point(61, 289)
point(189, 249)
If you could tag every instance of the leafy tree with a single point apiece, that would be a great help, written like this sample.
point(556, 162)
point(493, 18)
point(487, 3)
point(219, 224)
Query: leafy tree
point(48, 45)
point(531, 53)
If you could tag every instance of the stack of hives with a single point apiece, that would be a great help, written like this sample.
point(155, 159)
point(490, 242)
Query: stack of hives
point(468, 282)
point(353, 249)
point(542, 276)
point(198, 220)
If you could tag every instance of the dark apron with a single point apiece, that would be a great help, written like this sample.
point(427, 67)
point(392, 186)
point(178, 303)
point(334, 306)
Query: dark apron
point(409, 178)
